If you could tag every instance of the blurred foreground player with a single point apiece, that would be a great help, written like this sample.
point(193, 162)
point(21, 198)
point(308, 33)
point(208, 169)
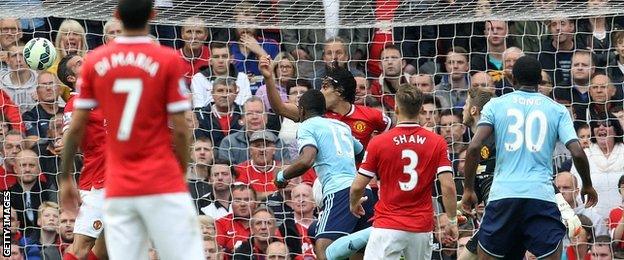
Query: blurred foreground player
point(522, 205)
point(140, 89)
point(88, 242)
point(406, 160)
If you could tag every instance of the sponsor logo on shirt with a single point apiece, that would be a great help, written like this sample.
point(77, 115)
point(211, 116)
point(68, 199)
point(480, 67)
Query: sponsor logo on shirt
point(359, 126)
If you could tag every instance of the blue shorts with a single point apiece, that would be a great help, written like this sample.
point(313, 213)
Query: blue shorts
point(536, 224)
point(336, 219)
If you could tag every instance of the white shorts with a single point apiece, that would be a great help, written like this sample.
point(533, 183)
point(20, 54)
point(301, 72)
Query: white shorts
point(91, 213)
point(168, 220)
point(391, 244)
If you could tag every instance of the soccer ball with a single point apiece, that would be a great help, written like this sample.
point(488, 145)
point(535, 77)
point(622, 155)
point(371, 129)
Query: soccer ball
point(39, 54)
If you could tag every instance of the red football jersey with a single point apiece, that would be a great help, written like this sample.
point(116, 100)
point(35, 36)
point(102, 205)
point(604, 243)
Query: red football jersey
point(137, 83)
point(363, 121)
point(92, 146)
point(257, 180)
point(406, 161)
point(615, 217)
point(231, 233)
point(194, 65)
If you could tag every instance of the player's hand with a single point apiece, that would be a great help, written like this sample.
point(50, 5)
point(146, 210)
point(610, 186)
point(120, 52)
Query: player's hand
point(450, 234)
point(357, 210)
point(574, 226)
point(592, 196)
point(252, 44)
point(69, 196)
point(265, 66)
point(468, 203)
point(279, 184)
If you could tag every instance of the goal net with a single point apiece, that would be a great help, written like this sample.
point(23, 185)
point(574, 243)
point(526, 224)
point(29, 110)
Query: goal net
point(444, 47)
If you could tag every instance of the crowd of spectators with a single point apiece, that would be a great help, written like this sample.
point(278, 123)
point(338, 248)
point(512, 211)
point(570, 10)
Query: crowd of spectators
point(239, 142)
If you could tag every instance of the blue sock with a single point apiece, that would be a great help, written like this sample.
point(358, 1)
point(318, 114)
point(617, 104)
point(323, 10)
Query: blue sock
point(346, 246)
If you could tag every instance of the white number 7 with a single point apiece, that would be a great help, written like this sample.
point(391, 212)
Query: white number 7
point(134, 88)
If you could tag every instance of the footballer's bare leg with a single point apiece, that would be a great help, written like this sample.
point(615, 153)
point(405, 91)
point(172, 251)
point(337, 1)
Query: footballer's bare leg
point(554, 256)
point(483, 255)
point(467, 255)
point(320, 246)
point(81, 246)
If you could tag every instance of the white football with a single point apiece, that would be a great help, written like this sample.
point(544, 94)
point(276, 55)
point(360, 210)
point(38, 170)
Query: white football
point(39, 54)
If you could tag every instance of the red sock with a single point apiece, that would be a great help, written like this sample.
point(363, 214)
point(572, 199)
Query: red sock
point(91, 256)
point(69, 256)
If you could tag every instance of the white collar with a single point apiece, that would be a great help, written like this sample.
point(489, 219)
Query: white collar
point(133, 39)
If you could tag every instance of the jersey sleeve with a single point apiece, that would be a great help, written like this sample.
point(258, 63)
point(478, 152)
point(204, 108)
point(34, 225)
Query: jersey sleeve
point(67, 113)
point(368, 167)
point(487, 114)
point(86, 97)
point(444, 164)
point(177, 92)
point(357, 146)
point(566, 128)
point(382, 122)
point(305, 137)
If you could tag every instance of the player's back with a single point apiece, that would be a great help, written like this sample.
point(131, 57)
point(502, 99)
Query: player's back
point(336, 148)
point(406, 159)
point(527, 126)
point(137, 84)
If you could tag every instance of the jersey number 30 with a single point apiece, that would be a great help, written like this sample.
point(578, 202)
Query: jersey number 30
point(134, 88)
point(526, 137)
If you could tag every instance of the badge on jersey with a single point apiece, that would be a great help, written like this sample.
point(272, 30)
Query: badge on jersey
point(359, 126)
point(485, 152)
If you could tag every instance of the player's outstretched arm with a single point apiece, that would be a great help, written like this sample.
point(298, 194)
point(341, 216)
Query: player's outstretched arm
point(582, 166)
point(69, 196)
point(469, 199)
point(355, 194)
point(298, 167)
point(181, 137)
point(284, 109)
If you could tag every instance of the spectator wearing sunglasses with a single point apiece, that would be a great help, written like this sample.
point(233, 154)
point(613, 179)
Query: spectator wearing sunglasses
point(605, 155)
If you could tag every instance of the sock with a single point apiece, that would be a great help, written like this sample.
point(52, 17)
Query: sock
point(91, 256)
point(69, 256)
point(346, 246)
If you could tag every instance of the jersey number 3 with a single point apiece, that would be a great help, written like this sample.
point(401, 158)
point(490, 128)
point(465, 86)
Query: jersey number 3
point(409, 169)
point(134, 88)
point(526, 137)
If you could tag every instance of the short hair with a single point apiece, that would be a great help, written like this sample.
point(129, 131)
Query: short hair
point(239, 186)
point(592, 57)
point(134, 14)
point(459, 50)
point(451, 112)
point(195, 21)
point(218, 45)
point(479, 97)
point(345, 82)
point(391, 46)
point(313, 101)
point(616, 109)
point(47, 204)
point(604, 240)
point(430, 99)
point(618, 36)
point(265, 209)
point(250, 100)
point(225, 81)
point(110, 23)
point(206, 220)
point(334, 40)
point(299, 82)
point(620, 181)
point(409, 99)
point(45, 72)
point(588, 226)
point(222, 161)
point(527, 71)
point(63, 70)
point(582, 125)
point(513, 49)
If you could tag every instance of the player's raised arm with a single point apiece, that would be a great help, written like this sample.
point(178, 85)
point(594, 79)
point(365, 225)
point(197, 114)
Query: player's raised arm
point(287, 110)
point(298, 167)
point(469, 199)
